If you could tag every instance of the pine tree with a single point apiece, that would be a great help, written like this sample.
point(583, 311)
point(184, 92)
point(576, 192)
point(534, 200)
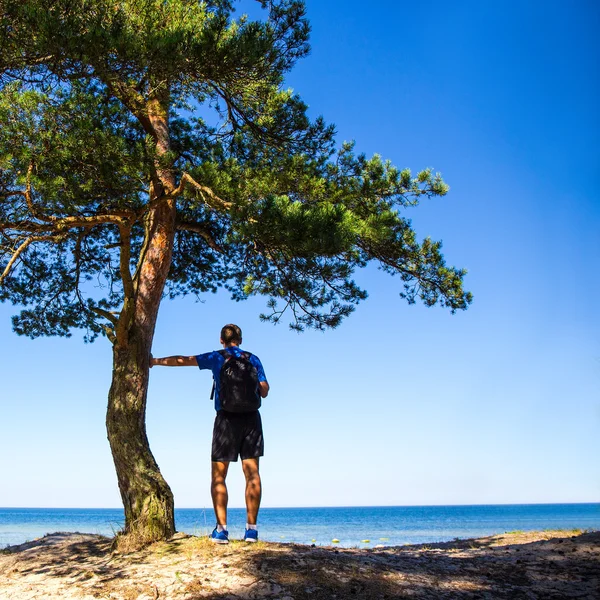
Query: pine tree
point(149, 147)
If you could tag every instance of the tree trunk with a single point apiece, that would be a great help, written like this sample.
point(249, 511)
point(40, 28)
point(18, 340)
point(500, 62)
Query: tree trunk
point(147, 498)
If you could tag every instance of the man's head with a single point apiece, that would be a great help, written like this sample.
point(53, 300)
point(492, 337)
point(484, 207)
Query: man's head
point(231, 335)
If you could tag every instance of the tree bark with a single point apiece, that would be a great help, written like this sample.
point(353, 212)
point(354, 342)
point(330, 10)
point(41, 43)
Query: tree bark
point(147, 498)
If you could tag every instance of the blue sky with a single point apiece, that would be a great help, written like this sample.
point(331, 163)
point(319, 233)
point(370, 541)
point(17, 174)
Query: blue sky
point(401, 404)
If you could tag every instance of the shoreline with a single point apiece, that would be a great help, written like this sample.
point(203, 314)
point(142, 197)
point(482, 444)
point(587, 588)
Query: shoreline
point(390, 525)
point(541, 564)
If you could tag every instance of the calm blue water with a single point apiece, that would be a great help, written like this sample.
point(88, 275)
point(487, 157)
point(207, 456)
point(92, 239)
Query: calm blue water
point(385, 525)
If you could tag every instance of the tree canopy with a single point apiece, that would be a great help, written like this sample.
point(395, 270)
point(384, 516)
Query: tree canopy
point(101, 99)
point(150, 148)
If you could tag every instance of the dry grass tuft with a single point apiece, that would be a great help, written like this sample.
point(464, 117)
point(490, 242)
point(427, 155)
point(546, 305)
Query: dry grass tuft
point(129, 542)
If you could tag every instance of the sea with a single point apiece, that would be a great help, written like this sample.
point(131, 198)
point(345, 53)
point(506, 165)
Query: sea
point(356, 526)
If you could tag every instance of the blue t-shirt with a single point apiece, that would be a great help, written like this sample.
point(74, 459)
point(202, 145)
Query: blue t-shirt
point(214, 361)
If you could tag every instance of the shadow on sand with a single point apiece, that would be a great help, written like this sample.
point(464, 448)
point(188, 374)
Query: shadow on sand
point(499, 567)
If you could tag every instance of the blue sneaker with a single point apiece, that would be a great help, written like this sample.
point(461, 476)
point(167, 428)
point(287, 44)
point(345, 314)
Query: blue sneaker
point(251, 535)
point(220, 537)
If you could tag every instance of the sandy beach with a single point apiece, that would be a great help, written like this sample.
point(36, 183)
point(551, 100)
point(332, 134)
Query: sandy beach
point(546, 565)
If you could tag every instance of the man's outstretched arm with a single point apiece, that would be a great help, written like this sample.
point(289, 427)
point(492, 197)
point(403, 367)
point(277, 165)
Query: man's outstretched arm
point(174, 361)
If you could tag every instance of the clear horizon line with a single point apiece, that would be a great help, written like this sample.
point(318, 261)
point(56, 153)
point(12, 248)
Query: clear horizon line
point(314, 507)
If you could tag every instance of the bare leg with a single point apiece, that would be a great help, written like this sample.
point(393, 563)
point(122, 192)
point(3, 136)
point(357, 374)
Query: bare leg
point(218, 491)
point(253, 488)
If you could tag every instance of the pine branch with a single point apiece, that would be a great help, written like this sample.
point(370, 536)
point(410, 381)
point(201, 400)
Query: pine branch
point(107, 315)
point(57, 225)
point(125, 258)
point(23, 247)
point(128, 286)
point(28, 196)
point(205, 192)
point(202, 231)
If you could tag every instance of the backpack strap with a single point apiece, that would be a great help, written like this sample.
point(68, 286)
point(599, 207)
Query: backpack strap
point(226, 355)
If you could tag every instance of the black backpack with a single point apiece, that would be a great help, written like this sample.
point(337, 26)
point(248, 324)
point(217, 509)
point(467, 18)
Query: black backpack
point(238, 383)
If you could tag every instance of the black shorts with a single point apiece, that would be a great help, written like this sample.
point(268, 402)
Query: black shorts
point(237, 434)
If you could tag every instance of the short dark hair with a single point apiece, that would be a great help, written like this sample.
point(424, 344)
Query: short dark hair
point(231, 334)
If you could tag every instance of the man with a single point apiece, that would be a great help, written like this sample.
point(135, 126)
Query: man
point(234, 433)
